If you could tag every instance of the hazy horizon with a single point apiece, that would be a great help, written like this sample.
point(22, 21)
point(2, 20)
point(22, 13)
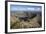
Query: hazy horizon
point(25, 8)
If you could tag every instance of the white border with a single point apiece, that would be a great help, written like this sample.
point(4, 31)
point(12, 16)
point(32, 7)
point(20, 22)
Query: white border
point(29, 29)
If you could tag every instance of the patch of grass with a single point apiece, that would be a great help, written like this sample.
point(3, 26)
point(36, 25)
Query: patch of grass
point(15, 24)
point(30, 23)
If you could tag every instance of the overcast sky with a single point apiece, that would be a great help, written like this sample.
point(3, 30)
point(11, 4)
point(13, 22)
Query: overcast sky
point(25, 8)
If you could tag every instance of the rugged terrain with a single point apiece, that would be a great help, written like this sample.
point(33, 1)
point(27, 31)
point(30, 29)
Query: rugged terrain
point(33, 22)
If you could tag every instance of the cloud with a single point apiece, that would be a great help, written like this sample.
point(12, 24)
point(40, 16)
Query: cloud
point(24, 8)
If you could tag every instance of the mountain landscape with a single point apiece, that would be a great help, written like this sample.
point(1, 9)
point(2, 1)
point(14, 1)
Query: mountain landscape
point(25, 19)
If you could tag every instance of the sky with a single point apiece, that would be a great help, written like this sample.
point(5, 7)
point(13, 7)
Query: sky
point(25, 8)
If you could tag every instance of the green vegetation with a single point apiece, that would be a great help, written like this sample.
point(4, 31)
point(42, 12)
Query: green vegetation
point(31, 23)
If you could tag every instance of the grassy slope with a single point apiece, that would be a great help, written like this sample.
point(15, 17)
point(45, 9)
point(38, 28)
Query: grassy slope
point(16, 23)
